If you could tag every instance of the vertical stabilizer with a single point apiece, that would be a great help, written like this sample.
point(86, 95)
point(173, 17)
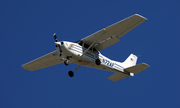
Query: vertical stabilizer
point(130, 61)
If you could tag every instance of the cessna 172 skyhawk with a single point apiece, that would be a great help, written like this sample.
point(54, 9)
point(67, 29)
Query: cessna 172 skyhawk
point(86, 51)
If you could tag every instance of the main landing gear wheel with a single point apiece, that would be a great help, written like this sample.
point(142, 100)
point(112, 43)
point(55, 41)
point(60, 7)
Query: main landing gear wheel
point(98, 62)
point(71, 74)
point(66, 62)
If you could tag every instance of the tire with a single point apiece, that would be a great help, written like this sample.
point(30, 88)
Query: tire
point(71, 74)
point(98, 62)
point(66, 62)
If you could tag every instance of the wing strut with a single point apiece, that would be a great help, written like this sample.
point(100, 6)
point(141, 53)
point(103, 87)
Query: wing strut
point(94, 42)
point(71, 73)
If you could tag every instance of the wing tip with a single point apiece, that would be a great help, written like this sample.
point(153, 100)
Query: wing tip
point(146, 65)
point(141, 16)
point(24, 67)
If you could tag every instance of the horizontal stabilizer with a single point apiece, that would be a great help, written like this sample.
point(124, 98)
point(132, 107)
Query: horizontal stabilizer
point(117, 76)
point(137, 68)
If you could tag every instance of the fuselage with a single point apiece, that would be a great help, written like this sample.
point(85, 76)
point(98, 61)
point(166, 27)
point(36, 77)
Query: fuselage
point(73, 52)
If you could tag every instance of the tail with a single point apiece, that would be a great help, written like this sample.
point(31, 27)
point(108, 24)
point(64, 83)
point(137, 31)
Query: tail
point(130, 61)
point(130, 66)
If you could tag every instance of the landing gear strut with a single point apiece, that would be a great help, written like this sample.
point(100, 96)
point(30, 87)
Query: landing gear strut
point(71, 73)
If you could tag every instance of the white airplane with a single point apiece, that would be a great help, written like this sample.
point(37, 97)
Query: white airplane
point(86, 52)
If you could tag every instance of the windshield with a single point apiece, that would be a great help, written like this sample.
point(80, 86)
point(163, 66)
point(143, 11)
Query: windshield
point(87, 46)
point(97, 52)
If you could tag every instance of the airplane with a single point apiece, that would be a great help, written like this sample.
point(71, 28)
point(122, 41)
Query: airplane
point(86, 52)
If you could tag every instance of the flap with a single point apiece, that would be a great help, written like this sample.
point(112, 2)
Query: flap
point(106, 43)
point(43, 62)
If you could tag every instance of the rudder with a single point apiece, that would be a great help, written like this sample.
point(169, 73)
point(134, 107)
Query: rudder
point(130, 61)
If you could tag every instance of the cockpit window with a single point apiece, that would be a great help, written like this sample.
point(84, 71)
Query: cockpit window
point(94, 50)
point(87, 46)
point(97, 52)
point(79, 42)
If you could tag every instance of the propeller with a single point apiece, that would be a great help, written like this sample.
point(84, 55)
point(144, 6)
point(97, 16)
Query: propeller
point(57, 45)
point(55, 37)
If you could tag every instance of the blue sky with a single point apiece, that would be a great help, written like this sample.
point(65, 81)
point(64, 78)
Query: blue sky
point(27, 28)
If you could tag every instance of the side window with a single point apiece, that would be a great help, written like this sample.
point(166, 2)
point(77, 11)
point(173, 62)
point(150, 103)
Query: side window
point(80, 43)
point(97, 52)
point(94, 50)
point(86, 46)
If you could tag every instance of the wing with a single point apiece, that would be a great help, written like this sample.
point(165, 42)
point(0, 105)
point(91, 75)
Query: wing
point(112, 33)
point(43, 62)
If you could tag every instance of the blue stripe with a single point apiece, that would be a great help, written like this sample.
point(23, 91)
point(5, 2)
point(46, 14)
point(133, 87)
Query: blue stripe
point(119, 65)
point(117, 69)
point(76, 50)
point(86, 54)
point(77, 46)
point(83, 48)
point(100, 56)
point(81, 53)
